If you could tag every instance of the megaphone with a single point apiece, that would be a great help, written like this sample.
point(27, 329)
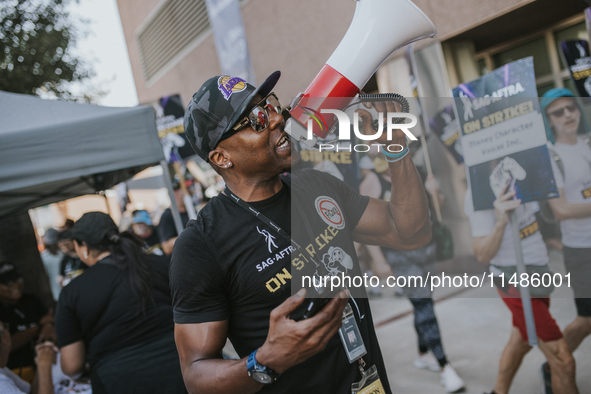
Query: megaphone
point(378, 29)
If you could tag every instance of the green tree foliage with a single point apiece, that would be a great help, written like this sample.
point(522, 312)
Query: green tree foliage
point(35, 37)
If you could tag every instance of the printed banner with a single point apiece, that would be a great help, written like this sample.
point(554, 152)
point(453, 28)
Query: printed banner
point(169, 122)
point(340, 161)
point(122, 196)
point(446, 126)
point(225, 18)
point(575, 56)
point(588, 21)
point(409, 56)
point(503, 137)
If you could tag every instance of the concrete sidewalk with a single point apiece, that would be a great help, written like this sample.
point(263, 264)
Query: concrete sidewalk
point(475, 327)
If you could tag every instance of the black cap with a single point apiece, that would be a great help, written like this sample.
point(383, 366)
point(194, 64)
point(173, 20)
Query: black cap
point(51, 237)
point(217, 106)
point(65, 235)
point(9, 273)
point(92, 228)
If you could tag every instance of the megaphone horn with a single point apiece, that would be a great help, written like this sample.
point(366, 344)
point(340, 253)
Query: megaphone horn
point(378, 29)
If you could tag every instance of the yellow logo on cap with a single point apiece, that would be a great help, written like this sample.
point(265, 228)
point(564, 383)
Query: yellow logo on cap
point(228, 85)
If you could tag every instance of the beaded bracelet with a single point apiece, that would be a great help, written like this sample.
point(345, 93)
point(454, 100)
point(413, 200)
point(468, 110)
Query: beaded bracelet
point(395, 155)
point(395, 160)
point(398, 156)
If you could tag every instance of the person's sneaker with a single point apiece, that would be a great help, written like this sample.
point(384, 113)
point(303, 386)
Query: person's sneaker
point(546, 379)
point(450, 380)
point(427, 361)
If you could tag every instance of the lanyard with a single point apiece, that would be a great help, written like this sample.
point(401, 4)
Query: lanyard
point(259, 215)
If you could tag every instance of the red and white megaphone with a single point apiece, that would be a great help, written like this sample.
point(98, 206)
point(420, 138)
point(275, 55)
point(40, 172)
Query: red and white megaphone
point(378, 29)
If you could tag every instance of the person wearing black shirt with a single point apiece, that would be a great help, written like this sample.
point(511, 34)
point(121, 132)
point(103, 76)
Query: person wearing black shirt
point(71, 266)
point(230, 271)
point(28, 318)
point(117, 316)
point(166, 228)
point(142, 227)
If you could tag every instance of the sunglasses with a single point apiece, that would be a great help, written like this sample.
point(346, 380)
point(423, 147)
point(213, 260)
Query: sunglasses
point(258, 117)
point(560, 112)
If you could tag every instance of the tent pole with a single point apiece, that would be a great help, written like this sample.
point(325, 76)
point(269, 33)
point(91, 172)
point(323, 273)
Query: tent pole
point(176, 216)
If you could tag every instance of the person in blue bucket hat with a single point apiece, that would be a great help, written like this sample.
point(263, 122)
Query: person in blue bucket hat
point(571, 164)
point(548, 98)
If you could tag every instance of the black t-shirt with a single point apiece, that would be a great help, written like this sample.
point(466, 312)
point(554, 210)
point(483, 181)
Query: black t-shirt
point(21, 316)
point(153, 242)
point(153, 239)
point(101, 309)
point(71, 267)
point(230, 265)
point(166, 227)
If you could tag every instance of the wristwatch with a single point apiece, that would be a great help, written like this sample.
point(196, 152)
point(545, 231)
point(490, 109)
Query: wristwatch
point(259, 372)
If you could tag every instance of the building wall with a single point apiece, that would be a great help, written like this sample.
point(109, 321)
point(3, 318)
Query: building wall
point(452, 17)
point(296, 37)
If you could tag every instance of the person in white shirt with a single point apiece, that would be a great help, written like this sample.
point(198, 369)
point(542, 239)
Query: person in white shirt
point(493, 244)
point(572, 171)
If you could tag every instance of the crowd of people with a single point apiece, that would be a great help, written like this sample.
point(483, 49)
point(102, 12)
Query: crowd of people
point(149, 310)
point(113, 321)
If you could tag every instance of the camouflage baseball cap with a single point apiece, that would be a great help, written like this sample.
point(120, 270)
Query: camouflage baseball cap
point(217, 106)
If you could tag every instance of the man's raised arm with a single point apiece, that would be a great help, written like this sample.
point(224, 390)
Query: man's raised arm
point(403, 223)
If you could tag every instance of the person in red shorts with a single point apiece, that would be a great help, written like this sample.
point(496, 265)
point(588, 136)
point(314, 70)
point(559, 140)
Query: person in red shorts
point(493, 244)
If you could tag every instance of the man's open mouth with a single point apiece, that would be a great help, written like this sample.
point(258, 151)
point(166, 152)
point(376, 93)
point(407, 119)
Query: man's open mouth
point(283, 141)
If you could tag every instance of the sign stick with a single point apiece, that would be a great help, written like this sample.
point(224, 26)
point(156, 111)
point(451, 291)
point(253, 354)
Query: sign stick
point(186, 195)
point(524, 291)
point(424, 123)
point(174, 209)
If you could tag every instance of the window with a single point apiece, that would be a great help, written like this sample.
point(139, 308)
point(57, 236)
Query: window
point(544, 46)
point(171, 29)
point(482, 67)
point(536, 48)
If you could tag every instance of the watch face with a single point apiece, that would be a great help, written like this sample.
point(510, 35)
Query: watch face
point(262, 377)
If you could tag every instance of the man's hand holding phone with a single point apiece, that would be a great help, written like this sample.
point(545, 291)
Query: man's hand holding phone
point(291, 342)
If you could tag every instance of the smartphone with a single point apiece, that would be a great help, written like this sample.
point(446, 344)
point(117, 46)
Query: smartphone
point(316, 304)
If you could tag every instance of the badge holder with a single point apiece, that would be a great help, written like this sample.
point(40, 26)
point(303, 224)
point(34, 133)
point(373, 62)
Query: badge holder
point(370, 382)
point(351, 336)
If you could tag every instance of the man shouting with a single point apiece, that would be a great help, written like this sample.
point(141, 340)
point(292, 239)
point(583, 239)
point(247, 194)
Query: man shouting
point(229, 281)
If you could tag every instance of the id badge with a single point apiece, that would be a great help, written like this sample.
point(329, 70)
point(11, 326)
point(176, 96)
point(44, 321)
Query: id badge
point(351, 336)
point(370, 383)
